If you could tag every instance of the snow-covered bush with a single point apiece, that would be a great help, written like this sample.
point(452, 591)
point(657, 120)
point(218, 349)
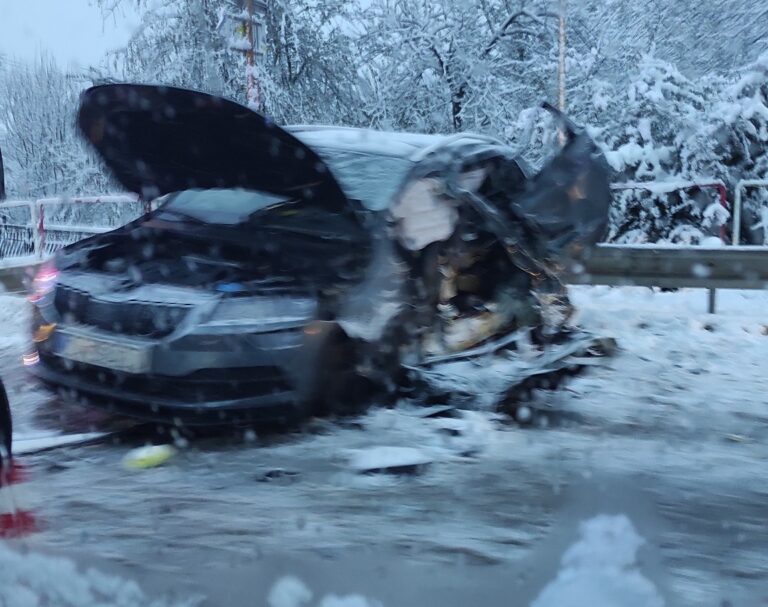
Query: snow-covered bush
point(677, 129)
point(654, 115)
point(736, 135)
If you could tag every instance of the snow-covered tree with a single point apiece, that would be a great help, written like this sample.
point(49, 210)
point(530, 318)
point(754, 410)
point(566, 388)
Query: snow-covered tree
point(700, 38)
point(178, 42)
point(43, 152)
point(653, 135)
point(456, 64)
point(308, 72)
point(735, 140)
point(656, 114)
point(445, 66)
point(675, 128)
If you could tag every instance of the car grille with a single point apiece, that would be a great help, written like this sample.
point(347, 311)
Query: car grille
point(143, 318)
point(200, 386)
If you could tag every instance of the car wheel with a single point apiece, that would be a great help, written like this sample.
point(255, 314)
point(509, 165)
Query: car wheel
point(331, 384)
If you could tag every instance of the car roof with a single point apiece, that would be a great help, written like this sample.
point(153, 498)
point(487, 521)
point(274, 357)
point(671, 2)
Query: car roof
point(409, 146)
point(349, 152)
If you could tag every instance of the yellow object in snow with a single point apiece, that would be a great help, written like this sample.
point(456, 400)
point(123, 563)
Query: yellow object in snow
point(148, 457)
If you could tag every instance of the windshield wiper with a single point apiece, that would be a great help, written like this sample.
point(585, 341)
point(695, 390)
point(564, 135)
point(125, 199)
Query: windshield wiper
point(305, 232)
point(185, 216)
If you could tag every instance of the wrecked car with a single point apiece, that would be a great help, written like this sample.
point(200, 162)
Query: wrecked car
point(294, 271)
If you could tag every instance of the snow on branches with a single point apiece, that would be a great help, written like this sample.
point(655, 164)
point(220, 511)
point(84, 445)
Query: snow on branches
point(440, 66)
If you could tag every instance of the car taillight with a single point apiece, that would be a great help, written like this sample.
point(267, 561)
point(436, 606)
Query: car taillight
point(44, 282)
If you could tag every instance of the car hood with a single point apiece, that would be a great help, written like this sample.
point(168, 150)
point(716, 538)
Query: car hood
point(158, 139)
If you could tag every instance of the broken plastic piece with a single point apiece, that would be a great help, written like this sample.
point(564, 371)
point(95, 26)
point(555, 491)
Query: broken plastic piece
point(148, 457)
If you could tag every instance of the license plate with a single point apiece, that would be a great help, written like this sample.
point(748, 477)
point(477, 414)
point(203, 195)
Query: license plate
point(102, 353)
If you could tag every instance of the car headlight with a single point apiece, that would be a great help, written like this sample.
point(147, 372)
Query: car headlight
point(263, 310)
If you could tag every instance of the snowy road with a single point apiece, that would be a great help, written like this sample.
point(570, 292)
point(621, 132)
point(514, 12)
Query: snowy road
point(670, 433)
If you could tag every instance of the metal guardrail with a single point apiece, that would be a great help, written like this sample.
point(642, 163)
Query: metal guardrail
point(727, 267)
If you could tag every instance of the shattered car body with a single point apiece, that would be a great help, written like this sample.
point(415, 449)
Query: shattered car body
point(293, 271)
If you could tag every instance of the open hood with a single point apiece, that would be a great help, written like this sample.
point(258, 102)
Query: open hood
point(158, 139)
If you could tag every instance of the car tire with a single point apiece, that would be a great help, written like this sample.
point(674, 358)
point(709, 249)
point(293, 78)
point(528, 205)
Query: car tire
point(331, 384)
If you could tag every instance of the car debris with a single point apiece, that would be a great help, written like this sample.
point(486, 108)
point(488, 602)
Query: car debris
point(436, 411)
point(290, 272)
point(150, 456)
point(390, 460)
point(278, 475)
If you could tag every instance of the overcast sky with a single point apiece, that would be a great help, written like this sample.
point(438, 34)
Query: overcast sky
point(73, 31)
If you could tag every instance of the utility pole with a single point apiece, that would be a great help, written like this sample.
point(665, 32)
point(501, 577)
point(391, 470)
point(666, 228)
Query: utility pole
point(2, 178)
point(252, 17)
point(252, 92)
point(561, 61)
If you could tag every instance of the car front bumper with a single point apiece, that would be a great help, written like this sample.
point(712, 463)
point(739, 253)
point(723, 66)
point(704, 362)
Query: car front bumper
point(194, 378)
point(156, 398)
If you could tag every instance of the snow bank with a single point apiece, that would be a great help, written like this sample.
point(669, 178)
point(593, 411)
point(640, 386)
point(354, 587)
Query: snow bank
point(32, 580)
point(22, 261)
point(290, 591)
point(679, 368)
point(601, 570)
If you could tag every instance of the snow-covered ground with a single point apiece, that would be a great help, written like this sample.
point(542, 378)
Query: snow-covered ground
point(668, 438)
point(36, 580)
point(601, 570)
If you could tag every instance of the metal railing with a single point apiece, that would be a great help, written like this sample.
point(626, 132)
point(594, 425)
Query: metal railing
point(19, 230)
point(34, 230)
point(741, 186)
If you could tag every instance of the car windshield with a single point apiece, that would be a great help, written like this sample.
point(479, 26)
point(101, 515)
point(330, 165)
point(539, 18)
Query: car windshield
point(222, 206)
point(373, 179)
